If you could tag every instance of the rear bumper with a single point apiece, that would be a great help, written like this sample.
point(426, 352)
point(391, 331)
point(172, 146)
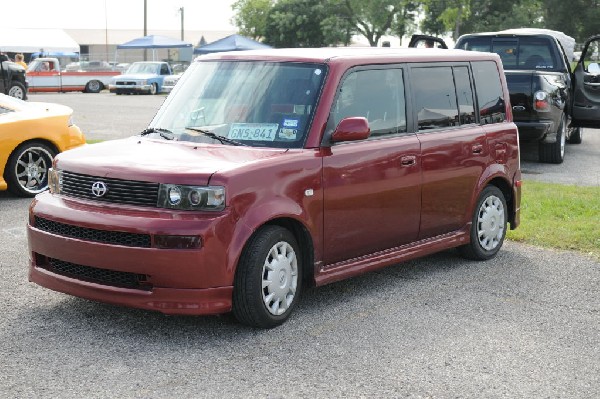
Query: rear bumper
point(537, 131)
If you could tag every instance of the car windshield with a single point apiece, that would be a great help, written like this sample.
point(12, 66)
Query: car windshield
point(260, 104)
point(143, 68)
point(528, 53)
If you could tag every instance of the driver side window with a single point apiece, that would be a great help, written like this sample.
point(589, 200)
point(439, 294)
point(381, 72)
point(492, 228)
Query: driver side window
point(591, 58)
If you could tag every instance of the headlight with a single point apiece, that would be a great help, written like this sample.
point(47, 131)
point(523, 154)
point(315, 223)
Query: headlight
point(70, 122)
point(54, 180)
point(175, 196)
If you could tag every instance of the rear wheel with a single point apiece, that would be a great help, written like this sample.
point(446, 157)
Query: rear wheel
point(268, 279)
point(488, 227)
point(27, 169)
point(94, 86)
point(555, 152)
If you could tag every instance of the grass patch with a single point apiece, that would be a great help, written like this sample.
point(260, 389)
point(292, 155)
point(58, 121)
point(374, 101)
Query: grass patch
point(560, 216)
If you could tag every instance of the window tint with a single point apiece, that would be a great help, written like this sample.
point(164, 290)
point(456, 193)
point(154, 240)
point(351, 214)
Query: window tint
point(435, 97)
point(489, 92)
point(376, 94)
point(464, 95)
point(532, 53)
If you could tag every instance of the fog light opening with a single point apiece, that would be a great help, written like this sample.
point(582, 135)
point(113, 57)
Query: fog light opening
point(177, 242)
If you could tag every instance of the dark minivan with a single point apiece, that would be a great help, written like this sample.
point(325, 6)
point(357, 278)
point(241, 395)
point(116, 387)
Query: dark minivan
point(267, 171)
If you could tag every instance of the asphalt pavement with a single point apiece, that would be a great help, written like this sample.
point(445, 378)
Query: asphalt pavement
point(525, 324)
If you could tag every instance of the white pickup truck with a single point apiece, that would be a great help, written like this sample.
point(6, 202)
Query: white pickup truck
point(46, 75)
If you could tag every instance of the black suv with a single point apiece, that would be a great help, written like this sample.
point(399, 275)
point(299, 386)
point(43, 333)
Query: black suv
point(550, 103)
point(12, 78)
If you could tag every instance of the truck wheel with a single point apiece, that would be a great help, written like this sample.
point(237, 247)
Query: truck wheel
point(488, 227)
point(576, 136)
point(268, 279)
point(93, 86)
point(153, 88)
point(27, 169)
point(555, 152)
point(17, 90)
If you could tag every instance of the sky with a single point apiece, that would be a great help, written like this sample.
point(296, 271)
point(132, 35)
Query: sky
point(118, 14)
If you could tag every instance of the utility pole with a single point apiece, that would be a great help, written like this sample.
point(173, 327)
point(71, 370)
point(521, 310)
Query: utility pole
point(145, 27)
point(181, 11)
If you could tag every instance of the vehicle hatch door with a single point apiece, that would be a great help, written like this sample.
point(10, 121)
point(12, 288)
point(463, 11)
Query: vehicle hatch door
point(586, 86)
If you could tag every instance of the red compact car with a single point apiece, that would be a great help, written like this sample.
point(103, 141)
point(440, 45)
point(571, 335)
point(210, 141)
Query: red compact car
point(266, 171)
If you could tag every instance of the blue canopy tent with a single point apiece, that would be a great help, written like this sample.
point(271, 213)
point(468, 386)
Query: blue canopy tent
point(153, 42)
point(230, 43)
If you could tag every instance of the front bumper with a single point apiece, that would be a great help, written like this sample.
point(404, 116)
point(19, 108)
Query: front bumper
point(173, 281)
point(130, 88)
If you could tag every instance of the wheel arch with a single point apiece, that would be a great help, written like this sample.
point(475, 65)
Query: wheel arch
point(504, 186)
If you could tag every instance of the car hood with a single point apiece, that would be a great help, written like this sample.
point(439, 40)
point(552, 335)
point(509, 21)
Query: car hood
point(135, 76)
point(161, 161)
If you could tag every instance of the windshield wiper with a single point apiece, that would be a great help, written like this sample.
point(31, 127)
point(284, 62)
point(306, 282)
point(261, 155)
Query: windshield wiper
point(215, 136)
point(164, 133)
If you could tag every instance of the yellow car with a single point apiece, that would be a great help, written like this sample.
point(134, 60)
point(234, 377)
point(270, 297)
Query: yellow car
point(31, 134)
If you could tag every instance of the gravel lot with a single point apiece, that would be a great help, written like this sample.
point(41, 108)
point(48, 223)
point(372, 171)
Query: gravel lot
point(525, 324)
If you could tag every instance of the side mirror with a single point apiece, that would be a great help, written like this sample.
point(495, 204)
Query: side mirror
point(594, 68)
point(351, 129)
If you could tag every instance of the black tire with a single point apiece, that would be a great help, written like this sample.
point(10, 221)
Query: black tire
point(17, 90)
point(27, 169)
point(153, 89)
point(488, 227)
point(93, 86)
point(576, 136)
point(555, 152)
point(271, 305)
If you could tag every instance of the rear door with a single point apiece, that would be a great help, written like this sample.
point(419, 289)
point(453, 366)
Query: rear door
point(586, 86)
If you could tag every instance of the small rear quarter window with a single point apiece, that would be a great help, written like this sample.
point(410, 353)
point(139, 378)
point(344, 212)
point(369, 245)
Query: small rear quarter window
point(489, 92)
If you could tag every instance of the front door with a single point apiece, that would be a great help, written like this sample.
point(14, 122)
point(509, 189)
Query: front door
point(586, 81)
point(372, 188)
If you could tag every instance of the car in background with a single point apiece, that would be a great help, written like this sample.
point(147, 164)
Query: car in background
point(31, 134)
point(169, 83)
point(141, 77)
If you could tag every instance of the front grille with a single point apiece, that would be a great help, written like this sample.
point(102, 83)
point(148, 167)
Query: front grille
point(126, 83)
point(119, 191)
point(96, 275)
point(86, 234)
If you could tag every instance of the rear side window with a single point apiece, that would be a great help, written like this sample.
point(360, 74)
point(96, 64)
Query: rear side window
point(443, 97)
point(489, 92)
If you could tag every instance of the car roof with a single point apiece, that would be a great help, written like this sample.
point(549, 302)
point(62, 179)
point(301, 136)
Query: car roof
point(358, 55)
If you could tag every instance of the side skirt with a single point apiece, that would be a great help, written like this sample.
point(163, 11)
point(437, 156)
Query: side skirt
point(353, 267)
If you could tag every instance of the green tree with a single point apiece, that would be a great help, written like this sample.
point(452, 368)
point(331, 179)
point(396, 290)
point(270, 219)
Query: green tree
point(577, 18)
point(296, 23)
point(251, 17)
point(374, 19)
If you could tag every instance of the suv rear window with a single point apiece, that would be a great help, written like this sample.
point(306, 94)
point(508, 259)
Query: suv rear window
point(529, 53)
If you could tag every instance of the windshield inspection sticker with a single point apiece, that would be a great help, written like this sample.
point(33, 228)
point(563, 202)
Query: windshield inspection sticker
point(290, 122)
point(253, 131)
point(288, 134)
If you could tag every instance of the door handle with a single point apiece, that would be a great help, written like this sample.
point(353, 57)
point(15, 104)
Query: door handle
point(408, 160)
point(477, 149)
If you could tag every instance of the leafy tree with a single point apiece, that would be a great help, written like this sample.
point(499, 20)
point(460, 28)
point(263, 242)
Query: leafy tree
point(374, 19)
point(251, 17)
point(577, 18)
point(296, 23)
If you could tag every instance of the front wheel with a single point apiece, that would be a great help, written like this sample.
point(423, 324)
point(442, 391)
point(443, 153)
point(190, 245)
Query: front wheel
point(27, 169)
point(268, 279)
point(576, 136)
point(488, 227)
point(17, 90)
point(153, 88)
